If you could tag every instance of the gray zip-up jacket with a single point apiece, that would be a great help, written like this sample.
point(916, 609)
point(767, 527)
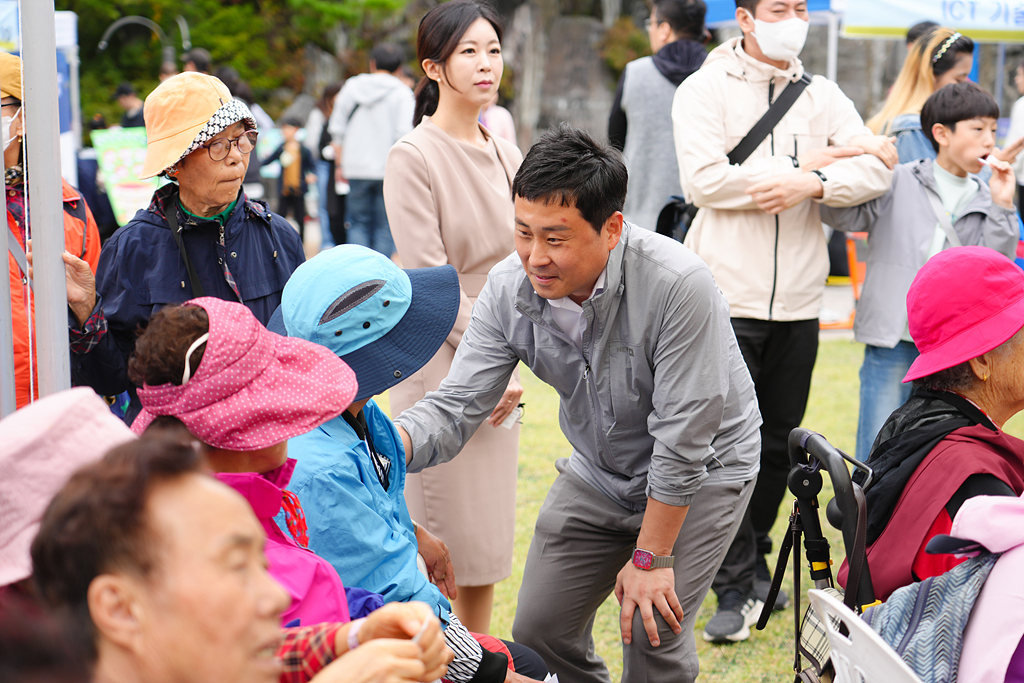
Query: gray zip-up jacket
point(659, 395)
point(901, 225)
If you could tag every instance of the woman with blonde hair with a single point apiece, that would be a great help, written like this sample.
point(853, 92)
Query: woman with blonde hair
point(938, 58)
point(447, 191)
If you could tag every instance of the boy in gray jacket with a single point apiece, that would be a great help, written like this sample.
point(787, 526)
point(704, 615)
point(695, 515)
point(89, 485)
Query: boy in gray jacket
point(932, 206)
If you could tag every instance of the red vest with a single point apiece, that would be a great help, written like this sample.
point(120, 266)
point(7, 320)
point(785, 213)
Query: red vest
point(966, 451)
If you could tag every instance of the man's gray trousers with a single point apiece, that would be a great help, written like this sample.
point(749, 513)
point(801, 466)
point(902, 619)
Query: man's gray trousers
point(581, 542)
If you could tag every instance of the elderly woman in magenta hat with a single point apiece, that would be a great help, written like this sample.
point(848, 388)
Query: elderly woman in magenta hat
point(946, 444)
point(199, 236)
point(209, 367)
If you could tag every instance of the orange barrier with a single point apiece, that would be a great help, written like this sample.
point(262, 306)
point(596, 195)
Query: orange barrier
point(856, 255)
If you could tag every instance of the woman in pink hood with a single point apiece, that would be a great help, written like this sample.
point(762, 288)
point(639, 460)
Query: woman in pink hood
point(211, 367)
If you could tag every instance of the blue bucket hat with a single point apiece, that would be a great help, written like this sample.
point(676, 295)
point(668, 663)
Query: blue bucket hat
point(384, 322)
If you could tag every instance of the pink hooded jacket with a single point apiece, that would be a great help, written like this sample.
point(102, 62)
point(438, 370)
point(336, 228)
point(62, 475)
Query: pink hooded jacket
point(316, 589)
point(996, 626)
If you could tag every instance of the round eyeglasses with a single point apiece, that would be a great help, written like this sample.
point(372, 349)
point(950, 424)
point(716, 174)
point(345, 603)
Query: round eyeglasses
point(221, 147)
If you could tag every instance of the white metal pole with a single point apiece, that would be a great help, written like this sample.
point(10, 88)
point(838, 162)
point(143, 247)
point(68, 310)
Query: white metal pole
point(45, 197)
point(8, 397)
point(832, 64)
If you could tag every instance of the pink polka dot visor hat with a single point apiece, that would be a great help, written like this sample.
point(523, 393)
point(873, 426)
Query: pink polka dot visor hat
point(252, 388)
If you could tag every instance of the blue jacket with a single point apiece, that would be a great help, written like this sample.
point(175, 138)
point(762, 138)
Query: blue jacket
point(357, 526)
point(141, 271)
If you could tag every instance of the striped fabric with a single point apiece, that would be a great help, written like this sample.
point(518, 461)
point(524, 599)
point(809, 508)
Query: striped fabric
point(924, 622)
point(468, 652)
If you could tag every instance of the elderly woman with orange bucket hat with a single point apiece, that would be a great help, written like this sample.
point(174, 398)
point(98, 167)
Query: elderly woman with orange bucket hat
point(199, 236)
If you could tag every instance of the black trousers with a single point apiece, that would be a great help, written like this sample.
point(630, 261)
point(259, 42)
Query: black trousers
point(780, 357)
point(296, 205)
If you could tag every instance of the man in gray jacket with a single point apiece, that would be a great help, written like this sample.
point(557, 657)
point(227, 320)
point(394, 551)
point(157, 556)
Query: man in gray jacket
point(656, 401)
point(370, 114)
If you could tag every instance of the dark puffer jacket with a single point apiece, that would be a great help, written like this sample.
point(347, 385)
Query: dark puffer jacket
point(141, 270)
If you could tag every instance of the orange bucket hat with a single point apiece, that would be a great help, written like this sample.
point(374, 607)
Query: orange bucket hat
point(183, 113)
point(10, 76)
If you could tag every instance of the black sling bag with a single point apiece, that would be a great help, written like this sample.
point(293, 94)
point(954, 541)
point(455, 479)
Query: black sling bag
point(676, 217)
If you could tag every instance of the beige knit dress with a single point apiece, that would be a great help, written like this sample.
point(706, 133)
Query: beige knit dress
point(450, 202)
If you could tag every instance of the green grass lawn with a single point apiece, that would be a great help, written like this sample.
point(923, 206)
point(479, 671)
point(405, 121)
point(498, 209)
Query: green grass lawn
point(768, 655)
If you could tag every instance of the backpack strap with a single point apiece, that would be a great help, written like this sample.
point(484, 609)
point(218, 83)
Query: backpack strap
point(782, 104)
point(944, 217)
point(171, 212)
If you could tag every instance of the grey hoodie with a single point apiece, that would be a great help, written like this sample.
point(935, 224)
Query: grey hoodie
point(901, 224)
point(658, 396)
point(371, 113)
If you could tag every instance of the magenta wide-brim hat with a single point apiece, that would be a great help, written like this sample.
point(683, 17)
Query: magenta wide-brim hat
point(253, 388)
point(963, 303)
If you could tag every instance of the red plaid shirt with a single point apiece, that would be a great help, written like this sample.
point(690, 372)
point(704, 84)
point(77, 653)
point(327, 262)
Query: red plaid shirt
point(306, 650)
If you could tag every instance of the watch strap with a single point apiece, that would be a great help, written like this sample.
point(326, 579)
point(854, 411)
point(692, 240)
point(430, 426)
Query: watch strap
point(662, 561)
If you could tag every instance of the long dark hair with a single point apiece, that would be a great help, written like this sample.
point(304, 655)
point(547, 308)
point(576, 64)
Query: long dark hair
point(326, 102)
point(439, 34)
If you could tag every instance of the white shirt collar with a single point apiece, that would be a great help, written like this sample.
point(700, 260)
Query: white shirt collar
point(567, 303)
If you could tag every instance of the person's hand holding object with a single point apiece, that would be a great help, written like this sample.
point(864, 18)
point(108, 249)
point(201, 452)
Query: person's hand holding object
point(411, 621)
point(81, 283)
point(509, 402)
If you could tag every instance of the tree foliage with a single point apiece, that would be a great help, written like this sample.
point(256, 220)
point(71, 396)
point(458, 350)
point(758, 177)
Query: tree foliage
point(623, 43)
point(262, 39)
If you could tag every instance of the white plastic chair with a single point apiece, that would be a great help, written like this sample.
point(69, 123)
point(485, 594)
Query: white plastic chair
point(862, 656)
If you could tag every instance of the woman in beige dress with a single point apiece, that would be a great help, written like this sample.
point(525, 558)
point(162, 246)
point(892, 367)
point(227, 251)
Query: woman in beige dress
point(447, 190)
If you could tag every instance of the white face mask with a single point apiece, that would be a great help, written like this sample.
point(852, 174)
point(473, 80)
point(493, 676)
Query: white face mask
point(5, 127)
point(780, 40)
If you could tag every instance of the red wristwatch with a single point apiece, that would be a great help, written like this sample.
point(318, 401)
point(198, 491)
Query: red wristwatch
point(645, 559)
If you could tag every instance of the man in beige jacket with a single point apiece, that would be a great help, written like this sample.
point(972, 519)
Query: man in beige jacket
point(758, 229)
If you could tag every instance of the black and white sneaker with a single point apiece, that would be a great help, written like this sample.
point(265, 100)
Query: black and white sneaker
point(737, 612)
point(763, 583)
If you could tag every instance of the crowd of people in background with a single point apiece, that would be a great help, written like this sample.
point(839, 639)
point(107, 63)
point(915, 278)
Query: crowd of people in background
point(240, 508)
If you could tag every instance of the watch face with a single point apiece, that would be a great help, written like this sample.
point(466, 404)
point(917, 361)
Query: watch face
point(642, 559)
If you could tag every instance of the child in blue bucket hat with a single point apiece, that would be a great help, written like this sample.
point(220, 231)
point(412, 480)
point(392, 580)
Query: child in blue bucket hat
point(385, 323)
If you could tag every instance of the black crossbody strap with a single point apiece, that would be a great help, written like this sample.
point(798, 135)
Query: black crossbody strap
point(15, 250)
point(172, 222)
point(771, 118)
